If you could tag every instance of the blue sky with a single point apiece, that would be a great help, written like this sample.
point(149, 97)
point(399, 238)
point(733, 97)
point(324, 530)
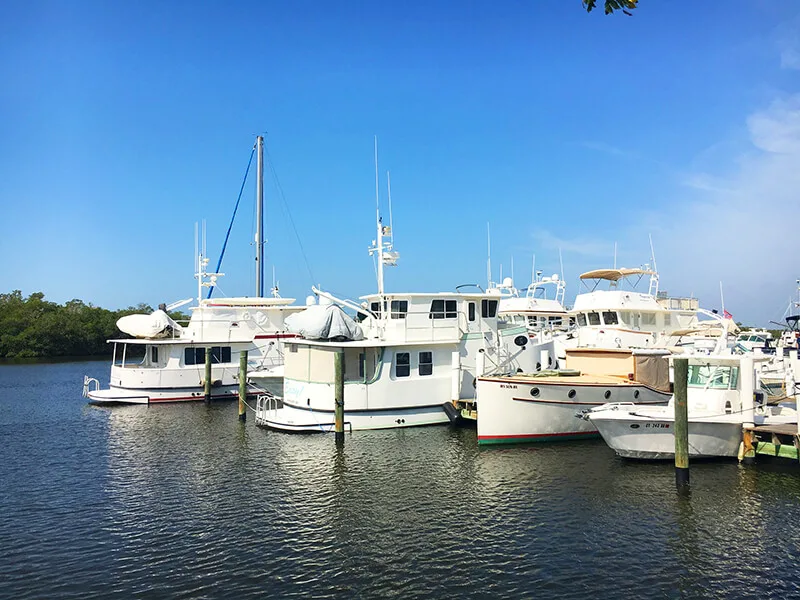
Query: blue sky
point(121, 125)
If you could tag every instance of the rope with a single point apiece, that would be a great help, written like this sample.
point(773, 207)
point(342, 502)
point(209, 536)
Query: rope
point(288, 212)
point(230, 226)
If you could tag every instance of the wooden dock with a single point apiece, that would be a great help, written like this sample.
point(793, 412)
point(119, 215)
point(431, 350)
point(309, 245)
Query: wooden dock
point(781, 440)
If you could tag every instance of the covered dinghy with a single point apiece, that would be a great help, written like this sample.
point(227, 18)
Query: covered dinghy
point(324, 322)
point(155, 325)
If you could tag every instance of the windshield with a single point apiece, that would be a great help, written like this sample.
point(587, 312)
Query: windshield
point(717, 377)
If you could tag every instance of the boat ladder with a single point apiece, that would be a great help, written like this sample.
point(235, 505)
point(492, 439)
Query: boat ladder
point(87, 385)
point(267, 404)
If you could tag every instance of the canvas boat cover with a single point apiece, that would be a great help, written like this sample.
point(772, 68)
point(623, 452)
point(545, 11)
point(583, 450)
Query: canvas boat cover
point(157, 324)
point(324, 322)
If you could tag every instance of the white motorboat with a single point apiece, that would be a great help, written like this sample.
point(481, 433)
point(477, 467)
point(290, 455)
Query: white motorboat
point(720, 400)
point(410, 354)
point(535, 407)
point(623, 317)
point(172, 368)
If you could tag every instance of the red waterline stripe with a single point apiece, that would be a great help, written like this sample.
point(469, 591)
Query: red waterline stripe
point(277, 336)
point(520, 436)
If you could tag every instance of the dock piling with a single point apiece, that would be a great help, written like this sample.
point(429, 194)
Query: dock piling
point(243, 386)
point(207, 382)
point(338, 415)
point(681, 375)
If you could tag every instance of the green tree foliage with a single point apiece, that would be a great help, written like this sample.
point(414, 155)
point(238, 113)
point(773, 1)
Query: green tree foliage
point(33, 327)
point(611, 5)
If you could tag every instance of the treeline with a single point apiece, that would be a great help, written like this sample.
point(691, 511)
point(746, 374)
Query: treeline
point(33, 327)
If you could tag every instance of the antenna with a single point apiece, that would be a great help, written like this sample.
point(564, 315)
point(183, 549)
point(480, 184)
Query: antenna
point(488, 257)
point(391, 223)
point(722, 298)
point(533, 270)
point(654, 277)
point(561, 262)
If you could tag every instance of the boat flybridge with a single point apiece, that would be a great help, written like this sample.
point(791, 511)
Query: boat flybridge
point(622, 317)
point(164, 361)
point(540, 308)
point(405, 356)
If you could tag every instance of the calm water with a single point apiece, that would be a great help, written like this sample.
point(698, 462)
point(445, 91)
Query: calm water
point(182, 501)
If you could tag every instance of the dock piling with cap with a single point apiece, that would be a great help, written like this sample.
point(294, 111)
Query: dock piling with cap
point(681, 373)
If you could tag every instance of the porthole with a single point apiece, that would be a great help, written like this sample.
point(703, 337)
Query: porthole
point(636, 394)
point(534, 392)
point(571, 394)
point(607, 395)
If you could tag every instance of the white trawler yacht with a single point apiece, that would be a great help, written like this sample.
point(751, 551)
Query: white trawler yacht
point(410, 354)
point(173, 366)
point(720, 399)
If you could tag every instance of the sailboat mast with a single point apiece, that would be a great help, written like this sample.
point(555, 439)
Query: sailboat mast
point(260, 218)
point(378, 223)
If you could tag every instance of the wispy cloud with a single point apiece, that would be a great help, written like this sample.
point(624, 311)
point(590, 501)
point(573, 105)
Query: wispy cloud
point(606, 149)
point(738, 227)
point(590, 248)
point(788, 42)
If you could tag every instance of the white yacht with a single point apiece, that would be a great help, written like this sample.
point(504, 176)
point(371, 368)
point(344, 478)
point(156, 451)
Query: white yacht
point(623, 317)
point(169, 359)
point(536, 407)
point(720, 399)
point(411, 354)
point(540, 308)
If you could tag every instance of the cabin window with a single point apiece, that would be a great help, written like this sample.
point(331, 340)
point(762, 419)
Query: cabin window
point(402, 364)
point(197, 356)
point(667, 319)
point(581, 319)
point(220, 354)
point(426, 363)
point(292, 347)
point(610, 317)
point(648, 319)
point(154, 355)
point(194, 356)
point(555, 321)
point(471, 311)
point(443, 309)
point(376, 308)
point(399, 309)
point(488, 309)
point(362, 365)
point(594, 318)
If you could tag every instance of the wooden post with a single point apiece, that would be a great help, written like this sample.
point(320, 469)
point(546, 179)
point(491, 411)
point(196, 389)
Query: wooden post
point(207, 382)
point(681, 376)
point(243, 386)
point(747, 384)
point(338, 415)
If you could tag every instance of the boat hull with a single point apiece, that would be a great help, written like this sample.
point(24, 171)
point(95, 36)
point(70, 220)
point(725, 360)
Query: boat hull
point(115, 395)
point(293, 419)
point(653, 438)
point(527, 409)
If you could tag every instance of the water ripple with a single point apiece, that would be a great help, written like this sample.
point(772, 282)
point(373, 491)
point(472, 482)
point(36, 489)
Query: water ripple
point(185, 502)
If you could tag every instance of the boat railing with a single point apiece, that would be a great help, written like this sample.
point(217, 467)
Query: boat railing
point(267, 404)
point(90, 384)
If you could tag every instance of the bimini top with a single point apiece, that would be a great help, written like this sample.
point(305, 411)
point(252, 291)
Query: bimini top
point(615, 274)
